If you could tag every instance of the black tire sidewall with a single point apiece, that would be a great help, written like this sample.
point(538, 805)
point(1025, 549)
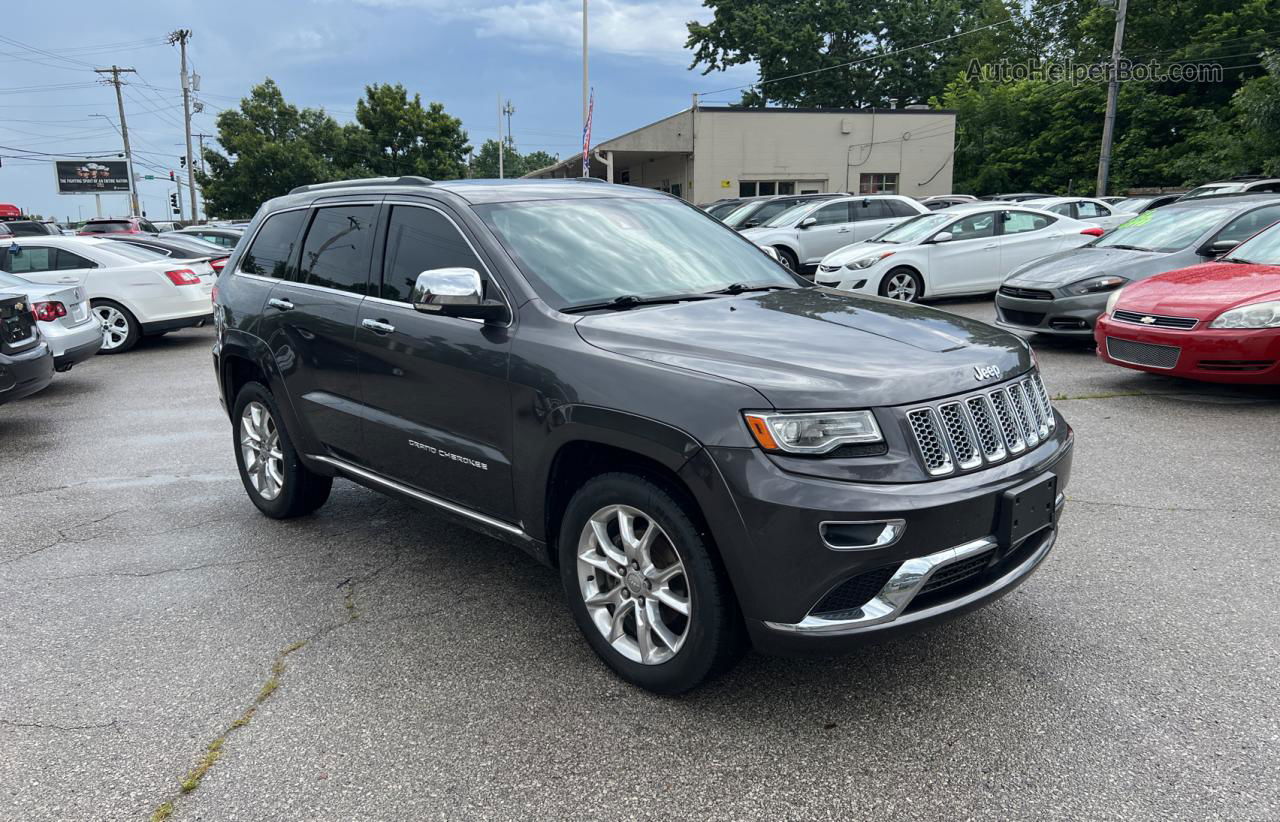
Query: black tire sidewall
point(301, 486)
point(893, 272)
point(789, 260)
point(711, 641)
point(135, 329)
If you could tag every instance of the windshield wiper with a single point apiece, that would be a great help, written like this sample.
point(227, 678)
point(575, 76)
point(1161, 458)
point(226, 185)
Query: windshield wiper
point(742, 288)
point(1126, 247)
point(1236, 260)
point(627, 301)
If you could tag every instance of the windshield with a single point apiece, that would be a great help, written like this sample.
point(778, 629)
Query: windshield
point(788, 216)
point(735, 218)
point(106, 227)
point(1163, 229)
point(577, 252)
point(1132, 204)
point(1261, 249)
point(916, 228)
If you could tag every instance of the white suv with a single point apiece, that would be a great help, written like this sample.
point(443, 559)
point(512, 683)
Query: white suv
point(803, 235)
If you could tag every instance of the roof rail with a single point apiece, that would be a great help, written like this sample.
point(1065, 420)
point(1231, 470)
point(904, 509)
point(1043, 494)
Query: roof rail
point(589, 179)
point(368, 181)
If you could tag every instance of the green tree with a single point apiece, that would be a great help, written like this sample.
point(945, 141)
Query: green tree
point(514, 164)
point(403, 137)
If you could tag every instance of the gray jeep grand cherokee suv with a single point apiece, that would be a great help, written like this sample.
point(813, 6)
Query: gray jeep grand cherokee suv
point(710, 449)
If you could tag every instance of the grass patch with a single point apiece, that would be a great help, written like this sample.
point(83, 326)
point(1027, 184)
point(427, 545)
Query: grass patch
point(162, 813)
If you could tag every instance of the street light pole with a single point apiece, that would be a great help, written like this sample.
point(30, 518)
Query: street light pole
point(585, 91)
point(1113, 92)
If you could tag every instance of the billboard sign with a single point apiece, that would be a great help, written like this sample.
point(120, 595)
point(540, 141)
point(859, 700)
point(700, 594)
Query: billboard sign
point(92, 176)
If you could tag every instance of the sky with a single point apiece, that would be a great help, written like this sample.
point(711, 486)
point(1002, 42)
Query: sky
point(465, 54)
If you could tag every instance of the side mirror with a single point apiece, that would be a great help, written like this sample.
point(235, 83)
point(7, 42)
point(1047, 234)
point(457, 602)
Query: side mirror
point(1218, 247)
point(751, 224)
point(942, 237)
point(456, 292)
point(808, 221)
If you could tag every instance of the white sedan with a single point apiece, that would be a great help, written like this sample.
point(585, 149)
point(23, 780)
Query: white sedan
point(1086, 209)
point(965, 249)
point(134, 292)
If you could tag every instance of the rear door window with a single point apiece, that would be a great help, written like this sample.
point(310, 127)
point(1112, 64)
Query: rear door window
point(67, 261)
point(271, 254)
point(337, 249)
point(870, 210)
point(1087, 210)
point(900, 209)
point(1020, 222)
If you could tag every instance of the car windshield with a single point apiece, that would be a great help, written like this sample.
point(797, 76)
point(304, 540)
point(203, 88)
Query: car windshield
point(762, 212)
point(1163, 229)
point(789, 216)
point(735, 218)
point(916, 228)
point(1261, 249)
point(1222, 188)
point(578, 252)
point(1133, 204)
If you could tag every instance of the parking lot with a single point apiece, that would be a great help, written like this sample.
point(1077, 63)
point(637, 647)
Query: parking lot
point(376, 662)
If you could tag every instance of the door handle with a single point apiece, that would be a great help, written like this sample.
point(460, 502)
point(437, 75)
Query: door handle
point(843, 231)
point(378, 327)
point(992, 245)
point(68, 280)
point(283, 305)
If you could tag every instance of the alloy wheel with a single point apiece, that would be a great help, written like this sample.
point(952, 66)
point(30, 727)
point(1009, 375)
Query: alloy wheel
point(115, 326)
point(633, 582)
point(260, 447)
point(901, 287)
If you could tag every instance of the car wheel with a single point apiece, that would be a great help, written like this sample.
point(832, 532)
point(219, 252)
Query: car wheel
point(787, 258)
point(275, 479)
point(902, 284)
point(120, 329)
point(643, 586)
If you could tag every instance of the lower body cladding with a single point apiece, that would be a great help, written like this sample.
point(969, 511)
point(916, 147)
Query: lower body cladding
point(175, 323)
point(1066, 316)
point(1228, 355)
point(833, 565)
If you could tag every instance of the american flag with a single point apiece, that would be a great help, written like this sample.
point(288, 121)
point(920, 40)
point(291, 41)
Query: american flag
point(586, 136)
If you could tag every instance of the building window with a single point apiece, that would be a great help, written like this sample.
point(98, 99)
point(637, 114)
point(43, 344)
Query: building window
point(746, 189)
point(624, 176)
point(675, 189)
point(766, 188)
point(878, 184)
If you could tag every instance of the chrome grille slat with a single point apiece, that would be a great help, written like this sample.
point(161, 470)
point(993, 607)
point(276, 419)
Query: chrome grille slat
point(1043, 396)
point(1037, 417)
point(1022, 412)
point(984, 425)
point(928, 434)
point(1008, 425)
point(963, 445)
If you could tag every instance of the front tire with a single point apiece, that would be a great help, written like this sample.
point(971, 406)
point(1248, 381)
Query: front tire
point(902, 284)
point(273, 476)
point(788, 258)
point(643, 585)
point(120, 329)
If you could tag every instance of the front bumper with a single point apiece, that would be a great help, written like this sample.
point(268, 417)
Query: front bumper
point(787, 573)
point(1064, 316)
point(1224, 355)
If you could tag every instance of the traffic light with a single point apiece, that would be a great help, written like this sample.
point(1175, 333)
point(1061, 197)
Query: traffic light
point(182, 162)
point(173, 202)
point(171, 174)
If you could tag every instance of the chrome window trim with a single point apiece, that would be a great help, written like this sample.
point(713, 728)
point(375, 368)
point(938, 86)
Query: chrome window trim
point(353, 470)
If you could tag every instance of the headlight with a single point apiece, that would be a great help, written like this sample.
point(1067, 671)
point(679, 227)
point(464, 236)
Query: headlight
point(1113, 299)
point(867, 262)
point(1258, 315)
point(815, 433)
point(771, 251)
point(1096, 285)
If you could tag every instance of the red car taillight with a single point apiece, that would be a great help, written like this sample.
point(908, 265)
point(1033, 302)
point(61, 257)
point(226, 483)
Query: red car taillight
point(47, 312)
point(1093, 232)
point(217, 265)
point(183, 276)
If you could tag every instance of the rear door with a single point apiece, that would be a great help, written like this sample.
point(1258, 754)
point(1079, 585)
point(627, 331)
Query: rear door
point(439, 404)
point(873, 215)
point(311, 311)
point(1024, 236)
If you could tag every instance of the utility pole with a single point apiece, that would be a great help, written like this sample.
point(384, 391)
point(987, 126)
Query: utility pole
point(115, 72)
point(181, 36)
point(585, 91)
point(508, 110)
point(202, 138)
point(1113, 92)
point(500, 151)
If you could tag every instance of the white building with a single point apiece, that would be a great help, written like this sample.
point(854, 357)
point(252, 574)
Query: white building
point(708, 153)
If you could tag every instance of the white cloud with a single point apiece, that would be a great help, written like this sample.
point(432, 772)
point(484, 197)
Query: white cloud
point(653, 29)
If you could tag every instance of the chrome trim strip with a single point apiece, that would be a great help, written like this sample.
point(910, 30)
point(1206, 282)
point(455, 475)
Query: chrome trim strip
point(891, 533)
point(1138, 322)
point(348, 468)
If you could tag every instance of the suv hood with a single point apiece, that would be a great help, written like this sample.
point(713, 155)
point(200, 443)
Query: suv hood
point(809, 348)
point(1066, 267)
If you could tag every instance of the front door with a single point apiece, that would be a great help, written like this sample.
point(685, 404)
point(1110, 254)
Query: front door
point(965, 263)
point(310, 317)
point(438, 415)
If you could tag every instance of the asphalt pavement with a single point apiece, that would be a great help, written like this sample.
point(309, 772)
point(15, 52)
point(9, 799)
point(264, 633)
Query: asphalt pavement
point(377, 662)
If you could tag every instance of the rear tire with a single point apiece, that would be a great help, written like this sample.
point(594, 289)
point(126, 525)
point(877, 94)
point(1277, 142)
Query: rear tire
point(902, 284)
point(121, 329)
point(273, 476)
point(655, 606)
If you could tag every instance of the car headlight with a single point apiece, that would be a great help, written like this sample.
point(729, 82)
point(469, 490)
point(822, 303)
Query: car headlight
point(1096, 285)
point(1258, 315)
point(867, 262)
point(812, 433)
point(1113, 299)
point(771, 251)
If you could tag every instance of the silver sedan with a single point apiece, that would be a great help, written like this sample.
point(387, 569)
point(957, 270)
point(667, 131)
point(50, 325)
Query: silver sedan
point(73, 332)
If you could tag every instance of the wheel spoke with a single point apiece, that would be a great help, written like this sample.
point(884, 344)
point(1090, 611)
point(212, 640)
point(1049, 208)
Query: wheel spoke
point(610, 597)
point(660, 577)
point(598, 562)
point(660, 628)
point(627, 533)
point(644, 638)
point(601, 533)
point(617, 627)
point(676, 602)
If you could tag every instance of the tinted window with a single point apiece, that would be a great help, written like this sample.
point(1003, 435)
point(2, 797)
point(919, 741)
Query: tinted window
point(1086, 210)
point(1062, 208)
point(30, 259)
point(897, 208)
point(146, 225)
point(336, 251)
point(1246, 225)
point(833, 214)
point(870, 210)
point(974, 226)
point(272, 250)
point(67, 261)
point(106, 228)
point(418, 240)
point(1020, 222)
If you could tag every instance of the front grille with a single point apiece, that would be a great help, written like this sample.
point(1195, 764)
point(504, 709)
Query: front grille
point(1139, 353)
point(985, 428)
point(1235, 365)
point(1032, 318)
point(956, 572)
point(1026, 293)
point(1153, 320)
point(828, 268)
point(853, 593)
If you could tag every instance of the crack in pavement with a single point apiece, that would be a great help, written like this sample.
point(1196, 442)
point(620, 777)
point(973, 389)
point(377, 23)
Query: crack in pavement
point(160, 572)
point(64, 538)
point(1178, 509)
point(51, 726)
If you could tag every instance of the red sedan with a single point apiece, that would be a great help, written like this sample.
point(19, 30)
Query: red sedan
point(1218, 321)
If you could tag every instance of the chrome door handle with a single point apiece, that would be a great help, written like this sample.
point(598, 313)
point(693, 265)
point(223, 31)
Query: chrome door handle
point(283, 305)
point(378, 327)
point(842, 231)
point(993, 245)
point(68, 280)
